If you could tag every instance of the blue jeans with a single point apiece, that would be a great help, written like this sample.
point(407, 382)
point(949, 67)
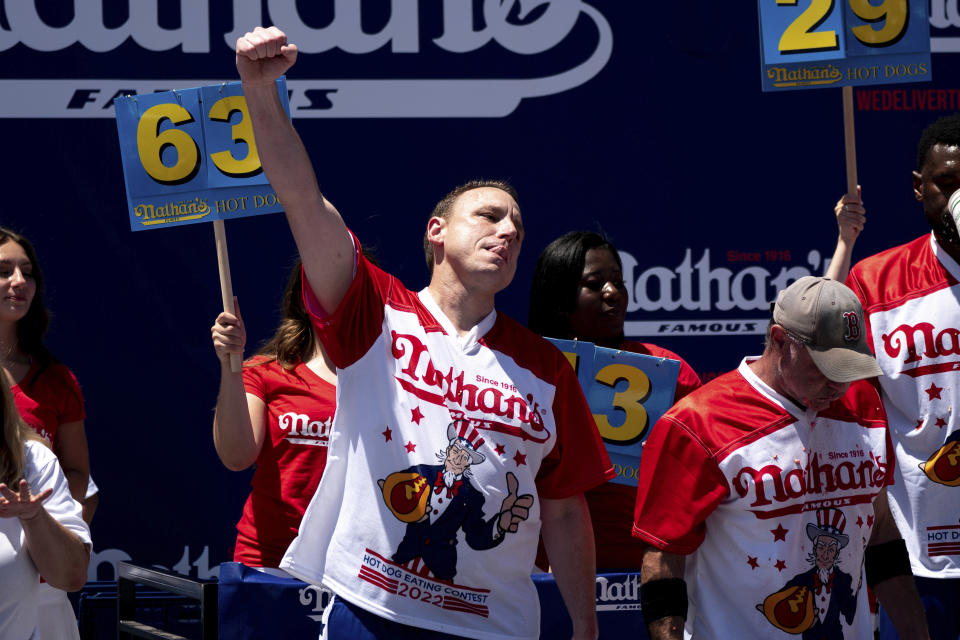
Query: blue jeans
point(941, 600)
point(346, 621)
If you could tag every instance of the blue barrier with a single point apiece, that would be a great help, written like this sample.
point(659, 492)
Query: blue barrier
point(254, 604)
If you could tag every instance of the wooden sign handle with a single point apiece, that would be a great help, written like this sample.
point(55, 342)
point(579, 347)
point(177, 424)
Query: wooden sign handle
point(850, 141)
point(226, 284)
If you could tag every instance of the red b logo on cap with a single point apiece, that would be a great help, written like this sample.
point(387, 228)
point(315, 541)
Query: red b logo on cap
point(853, 326)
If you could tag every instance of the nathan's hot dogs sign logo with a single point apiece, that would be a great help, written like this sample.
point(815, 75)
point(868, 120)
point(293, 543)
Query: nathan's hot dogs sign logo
point(710, 291)
point(190, 40)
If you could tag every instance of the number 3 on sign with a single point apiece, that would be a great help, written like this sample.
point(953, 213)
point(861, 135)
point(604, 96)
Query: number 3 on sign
point(803, 35)
point(153, 144)
point(629, 401)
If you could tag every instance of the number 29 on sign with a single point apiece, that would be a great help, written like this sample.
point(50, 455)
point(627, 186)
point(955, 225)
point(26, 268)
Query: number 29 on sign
point(809, 30)
point(803, 36)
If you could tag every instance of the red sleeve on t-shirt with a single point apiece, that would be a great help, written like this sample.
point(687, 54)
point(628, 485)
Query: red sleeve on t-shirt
point(48, 399)
point(57, 390)
point(354, 326)
point(578, 460)
point(687, 381)
point(253, 382)
point(680, 484)
point(72, 409)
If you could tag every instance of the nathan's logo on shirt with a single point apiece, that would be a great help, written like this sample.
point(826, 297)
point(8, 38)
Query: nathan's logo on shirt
point(418, 375)
point(302, 430)
point(902, 343)
point(772, 484)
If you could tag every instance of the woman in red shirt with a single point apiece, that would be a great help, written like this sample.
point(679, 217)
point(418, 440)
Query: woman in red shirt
point(578, 292)
point(276, 414)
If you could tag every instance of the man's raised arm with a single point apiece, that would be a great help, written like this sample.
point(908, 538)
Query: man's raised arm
point(263, 55)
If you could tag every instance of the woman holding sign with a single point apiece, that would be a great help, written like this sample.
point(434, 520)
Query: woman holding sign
point(578, 292)
point(45, 393)
point(276, 414)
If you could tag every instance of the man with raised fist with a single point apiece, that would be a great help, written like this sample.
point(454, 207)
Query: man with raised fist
point(410, 364)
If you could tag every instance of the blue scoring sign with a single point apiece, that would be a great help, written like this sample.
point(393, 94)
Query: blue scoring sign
point(189, 156)
point(627, 393)
point(807, 44)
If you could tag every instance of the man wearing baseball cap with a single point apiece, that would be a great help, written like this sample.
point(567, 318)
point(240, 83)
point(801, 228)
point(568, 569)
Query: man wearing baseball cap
point(733, 476)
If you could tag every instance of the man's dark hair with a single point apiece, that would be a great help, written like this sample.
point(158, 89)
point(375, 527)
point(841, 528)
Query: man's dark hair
point(945, 131)
point(442, 210)
point(556, 281)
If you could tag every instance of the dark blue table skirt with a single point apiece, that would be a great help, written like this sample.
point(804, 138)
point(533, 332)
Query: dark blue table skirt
point(253, 604)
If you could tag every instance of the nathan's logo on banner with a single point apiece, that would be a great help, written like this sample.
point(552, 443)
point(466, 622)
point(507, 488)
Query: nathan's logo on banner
point(944, 26)
point(618, 592)
point(427, 33)
point(711, 293)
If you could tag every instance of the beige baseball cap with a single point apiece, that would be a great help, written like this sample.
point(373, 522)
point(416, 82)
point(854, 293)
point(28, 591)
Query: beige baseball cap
point(827, 318)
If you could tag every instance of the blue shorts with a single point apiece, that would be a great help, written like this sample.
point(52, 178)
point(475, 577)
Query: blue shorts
point(346, 621)
point(941, 600)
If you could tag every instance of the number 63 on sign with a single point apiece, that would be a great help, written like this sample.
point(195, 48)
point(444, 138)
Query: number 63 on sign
point(189, 156)
point(808, 44)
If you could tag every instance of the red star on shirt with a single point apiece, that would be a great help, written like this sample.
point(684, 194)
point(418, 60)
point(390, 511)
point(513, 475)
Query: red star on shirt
point(869, 521)
point(859, 521)
point(941, 423)
point(520, 459)
point(387, 435)
point(500, 449)
point(934, 391)
point(415, 415)
point(752, 562)
point(410, 447)
point(779, 533)
point(919, 422)
point(781, 565)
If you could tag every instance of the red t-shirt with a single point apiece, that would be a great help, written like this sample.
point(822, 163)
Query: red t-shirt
point(48, 400)
point(300, 407)
point(611, 505)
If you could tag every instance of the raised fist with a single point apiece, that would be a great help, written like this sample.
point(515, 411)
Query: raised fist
point(263, 55)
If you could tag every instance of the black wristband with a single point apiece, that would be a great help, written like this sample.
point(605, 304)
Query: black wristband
point(887, 560)
point(663, 598)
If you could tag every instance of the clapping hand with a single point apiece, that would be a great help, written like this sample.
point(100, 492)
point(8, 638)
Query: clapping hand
point(21, 504)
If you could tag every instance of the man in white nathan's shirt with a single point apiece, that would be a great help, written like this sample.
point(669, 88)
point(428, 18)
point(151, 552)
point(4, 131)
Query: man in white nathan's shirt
point(781, 464)
point(911, 302)
point(408, 365)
